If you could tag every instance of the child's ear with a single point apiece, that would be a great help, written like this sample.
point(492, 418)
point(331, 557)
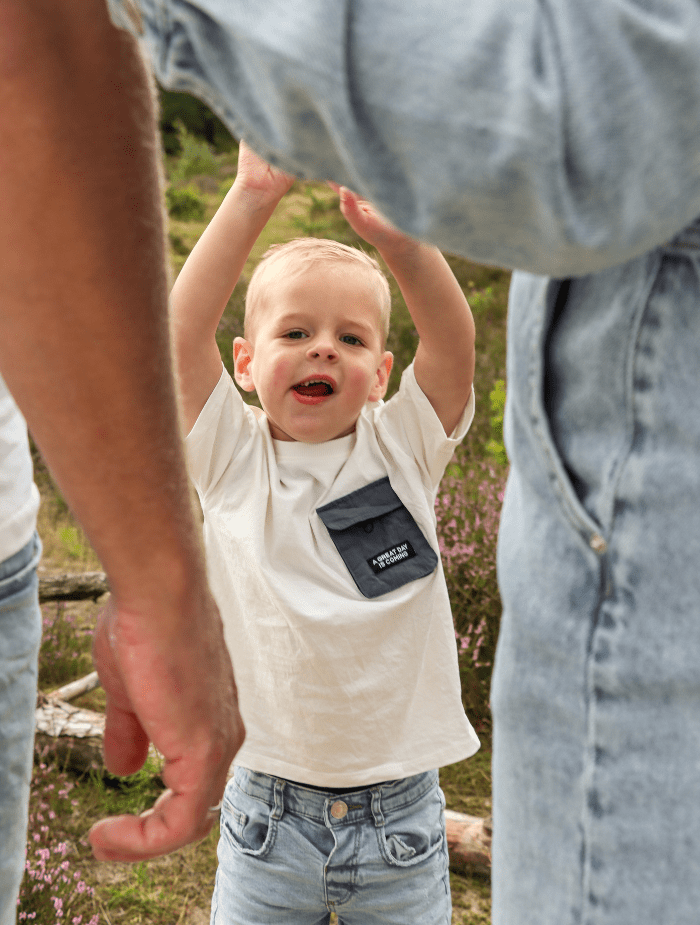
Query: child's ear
point(381, 381)
point(242, 359)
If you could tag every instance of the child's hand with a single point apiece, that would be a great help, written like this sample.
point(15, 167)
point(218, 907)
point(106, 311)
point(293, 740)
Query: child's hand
point(257, 176)
point(444, 362)
point(371, 225)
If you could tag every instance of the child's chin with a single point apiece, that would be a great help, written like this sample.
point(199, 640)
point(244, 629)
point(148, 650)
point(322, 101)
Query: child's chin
point(323, 436)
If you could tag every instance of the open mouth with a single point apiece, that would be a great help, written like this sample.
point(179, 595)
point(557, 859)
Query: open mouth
point(314, 388)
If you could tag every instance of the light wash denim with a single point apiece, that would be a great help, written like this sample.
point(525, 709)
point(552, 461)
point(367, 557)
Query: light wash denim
point(596, 691)
point(556, 137)
point(559, 138)
point(20, 632)
point(292, 854)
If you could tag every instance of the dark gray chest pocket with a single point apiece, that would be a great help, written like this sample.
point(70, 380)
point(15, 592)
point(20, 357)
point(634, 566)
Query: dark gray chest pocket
point(379, 540)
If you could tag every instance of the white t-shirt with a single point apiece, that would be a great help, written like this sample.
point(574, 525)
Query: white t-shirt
point(335, 688)
point(19, 496)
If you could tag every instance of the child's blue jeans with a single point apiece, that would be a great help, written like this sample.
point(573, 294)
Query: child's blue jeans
point(291, 854)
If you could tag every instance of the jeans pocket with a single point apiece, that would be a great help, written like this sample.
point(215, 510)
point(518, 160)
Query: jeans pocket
point(378, 539)
point(247, 823)
point(414, 834)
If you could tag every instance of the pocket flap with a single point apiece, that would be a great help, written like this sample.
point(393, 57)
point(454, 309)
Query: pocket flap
point(378, 539)
point(366, 503)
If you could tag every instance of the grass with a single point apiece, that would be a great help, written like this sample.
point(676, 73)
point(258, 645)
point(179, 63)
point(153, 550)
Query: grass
point(62, 877)
point(63, 884)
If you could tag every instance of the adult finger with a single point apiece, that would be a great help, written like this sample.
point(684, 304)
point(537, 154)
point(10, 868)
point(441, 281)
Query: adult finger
point(175, 820)
point(125, 743)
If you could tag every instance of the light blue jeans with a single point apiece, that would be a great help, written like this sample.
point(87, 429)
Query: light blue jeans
point(596, 691)
point(291, 854)
point(20, 637)
point(558, 138)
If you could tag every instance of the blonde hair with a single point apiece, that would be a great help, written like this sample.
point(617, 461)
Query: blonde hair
point(305, 252)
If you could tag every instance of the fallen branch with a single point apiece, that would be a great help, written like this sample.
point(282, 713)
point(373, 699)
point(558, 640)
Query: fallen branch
point(73, 587)
point(57, 718)
point(76, 688)
point(468, 842)
point(73, 735)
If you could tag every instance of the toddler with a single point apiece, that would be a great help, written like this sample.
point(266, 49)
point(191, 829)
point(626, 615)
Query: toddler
point(321, 545)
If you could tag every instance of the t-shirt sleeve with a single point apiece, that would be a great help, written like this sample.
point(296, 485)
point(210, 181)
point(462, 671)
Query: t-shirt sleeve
point(409, 420)
point(224, 426)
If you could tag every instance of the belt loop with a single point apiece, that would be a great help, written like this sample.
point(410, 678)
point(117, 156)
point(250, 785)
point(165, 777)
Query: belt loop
point(377, 807)
point(279, 799)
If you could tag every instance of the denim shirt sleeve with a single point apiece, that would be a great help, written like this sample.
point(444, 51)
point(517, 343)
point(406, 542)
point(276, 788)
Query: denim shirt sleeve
point(557, 137)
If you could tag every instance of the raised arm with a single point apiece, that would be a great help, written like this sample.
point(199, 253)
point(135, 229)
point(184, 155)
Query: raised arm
point(444, 363)
point(211, 271)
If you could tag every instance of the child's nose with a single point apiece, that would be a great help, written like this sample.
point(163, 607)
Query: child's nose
point(323, 348)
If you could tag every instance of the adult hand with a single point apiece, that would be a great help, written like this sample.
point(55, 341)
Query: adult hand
point(173, 687)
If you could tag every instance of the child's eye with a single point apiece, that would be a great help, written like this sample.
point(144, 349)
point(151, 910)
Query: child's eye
point(295, 335)
point(351, 339)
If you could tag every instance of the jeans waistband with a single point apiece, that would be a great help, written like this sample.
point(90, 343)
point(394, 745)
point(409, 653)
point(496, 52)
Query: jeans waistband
point(357, 805)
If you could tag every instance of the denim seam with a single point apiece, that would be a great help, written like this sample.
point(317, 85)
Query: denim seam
point(617, 466)
point(330, 905)
point(215, 897)
point(279, 807)
point(411, 862)
point(264, 850)
point(588, 762)
point(614, 475)
point(574, 512)
point(681, 245)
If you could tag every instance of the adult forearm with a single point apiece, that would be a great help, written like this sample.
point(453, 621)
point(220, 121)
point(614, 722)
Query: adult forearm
point(84, 347)
point(84, 343)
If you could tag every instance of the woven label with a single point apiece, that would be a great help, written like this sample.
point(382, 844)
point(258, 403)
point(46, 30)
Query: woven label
point(391, 556)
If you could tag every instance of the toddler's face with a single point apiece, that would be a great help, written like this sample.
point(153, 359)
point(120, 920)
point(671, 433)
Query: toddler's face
point(316, 355)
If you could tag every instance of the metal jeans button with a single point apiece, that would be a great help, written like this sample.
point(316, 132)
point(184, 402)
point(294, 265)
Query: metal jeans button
point(339, 809)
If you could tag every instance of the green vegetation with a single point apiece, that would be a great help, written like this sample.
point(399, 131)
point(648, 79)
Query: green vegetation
point(495, 445)
point(184, 204)
point(72, 540)
point(63, 884)
point(195, 157)
point(181, 109)
point(66, 643)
